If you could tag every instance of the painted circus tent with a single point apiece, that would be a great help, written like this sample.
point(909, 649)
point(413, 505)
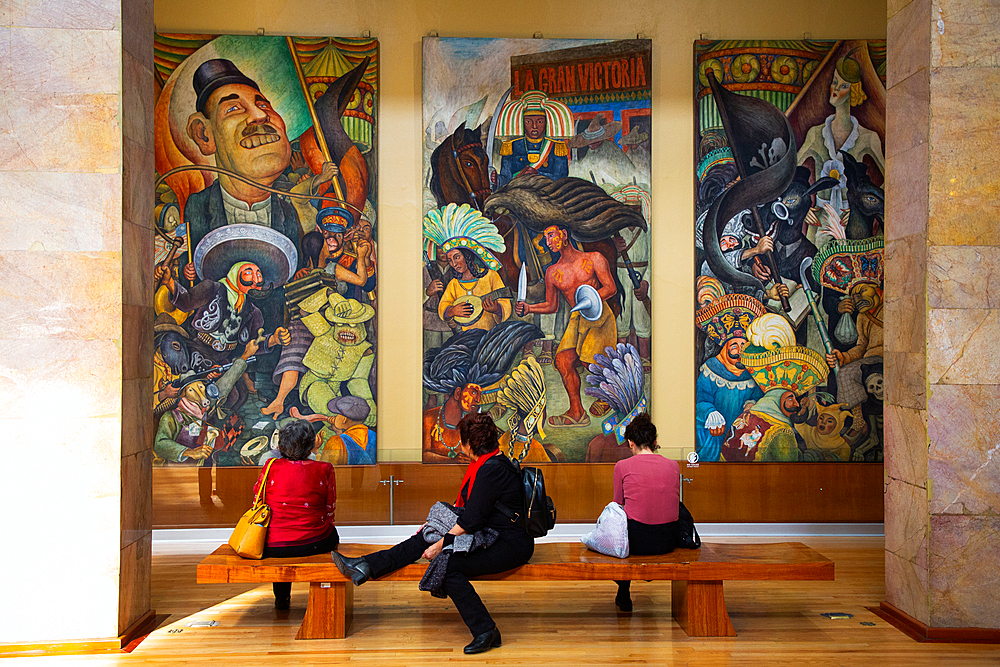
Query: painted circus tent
point(265, 275)
point(789, 248)
point(536, 301)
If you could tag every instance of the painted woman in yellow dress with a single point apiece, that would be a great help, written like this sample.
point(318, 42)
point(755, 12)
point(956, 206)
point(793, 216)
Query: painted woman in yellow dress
point(473, 278)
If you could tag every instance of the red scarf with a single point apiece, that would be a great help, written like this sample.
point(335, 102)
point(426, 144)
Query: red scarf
point(470, 476)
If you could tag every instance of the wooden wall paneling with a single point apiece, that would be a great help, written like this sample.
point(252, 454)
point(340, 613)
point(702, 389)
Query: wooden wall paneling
point(718, 492)
point(784, 492)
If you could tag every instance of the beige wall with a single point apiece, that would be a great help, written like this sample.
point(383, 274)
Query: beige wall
point(673, 27)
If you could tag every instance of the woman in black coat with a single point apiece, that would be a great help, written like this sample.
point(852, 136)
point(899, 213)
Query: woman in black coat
point(491, 477)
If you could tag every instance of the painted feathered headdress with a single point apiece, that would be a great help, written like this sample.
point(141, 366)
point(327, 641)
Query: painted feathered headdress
point(524, 391)
point(476, 356)
point(455, 226)
point(618, 379)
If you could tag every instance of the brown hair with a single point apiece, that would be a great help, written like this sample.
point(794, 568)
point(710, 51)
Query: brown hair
point(642, 432)
point(296, 440)
point(479, 432)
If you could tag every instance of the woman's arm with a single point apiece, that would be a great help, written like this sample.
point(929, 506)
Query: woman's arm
point(619, 491)
point(331, 493)
point(431, 552)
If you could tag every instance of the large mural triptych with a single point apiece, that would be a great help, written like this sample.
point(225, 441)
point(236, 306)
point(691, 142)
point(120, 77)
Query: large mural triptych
point(265, 256)
point(789, 249)
point(535, 254)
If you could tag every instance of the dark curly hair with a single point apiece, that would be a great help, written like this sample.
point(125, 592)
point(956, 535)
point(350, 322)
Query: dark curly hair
point(296, 440)
point(642, 432)
point(479, 432)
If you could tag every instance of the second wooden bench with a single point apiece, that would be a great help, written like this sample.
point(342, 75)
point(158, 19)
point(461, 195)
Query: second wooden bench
point(697, 599)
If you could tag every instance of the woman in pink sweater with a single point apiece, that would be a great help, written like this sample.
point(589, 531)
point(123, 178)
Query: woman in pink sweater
point(647, 486)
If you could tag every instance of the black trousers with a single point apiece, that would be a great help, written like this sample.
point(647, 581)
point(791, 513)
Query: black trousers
point(512, 549)
point(282, 589)
point(646, 539)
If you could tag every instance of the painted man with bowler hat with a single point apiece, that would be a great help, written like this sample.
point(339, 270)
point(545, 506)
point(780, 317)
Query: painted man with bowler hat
point(235, 122)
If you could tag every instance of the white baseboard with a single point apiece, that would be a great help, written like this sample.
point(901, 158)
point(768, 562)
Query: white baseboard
point(206, 540)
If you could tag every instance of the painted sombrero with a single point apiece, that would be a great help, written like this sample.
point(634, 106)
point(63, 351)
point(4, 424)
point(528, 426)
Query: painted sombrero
point(842, 264)
point(728, 317)
point(273, 252)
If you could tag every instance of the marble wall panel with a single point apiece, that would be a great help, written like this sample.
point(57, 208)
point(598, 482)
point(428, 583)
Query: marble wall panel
point(964, 577)
point(81, 14)
point(906, 266)
point(907, 124)
point(55, 60)
point(906, 445)
point(55, 132)
point(893, 7)
point(906, 192)
point(134, 592)
point(53, 211)
point(137, 183)
point(905, 323)
point(964, 452)
point(137, 339)
point(138, 426)
point(111, 211)
point(137, 31)
point(906, 379)
point(74, 379)
point(6, 69)
point(60, 295)
point(965, 165)
point(906, 534)
point(74, 496)
point(963, 277)
point(961, 346)
point(965, 33)
point(137, 264)
point(137, 100)
point(906, 587)
point(136, 497)
point(908, 40)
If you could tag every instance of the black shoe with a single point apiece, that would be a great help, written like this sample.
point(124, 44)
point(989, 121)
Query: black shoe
point(282, 603)
point(624, 602)
point(357, 569)
point(484, 642)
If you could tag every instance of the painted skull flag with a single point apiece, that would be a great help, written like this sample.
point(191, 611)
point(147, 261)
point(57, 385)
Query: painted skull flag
point(265, 285)
point(789, 248)
point(535, 245)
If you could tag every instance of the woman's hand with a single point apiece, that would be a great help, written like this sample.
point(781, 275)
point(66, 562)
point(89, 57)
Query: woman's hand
point(431, 552)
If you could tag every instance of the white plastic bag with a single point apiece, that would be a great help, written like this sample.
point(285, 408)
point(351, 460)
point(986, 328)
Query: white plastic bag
point(610, 537)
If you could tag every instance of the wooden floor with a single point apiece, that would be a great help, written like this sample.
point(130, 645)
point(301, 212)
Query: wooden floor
point(779, 623)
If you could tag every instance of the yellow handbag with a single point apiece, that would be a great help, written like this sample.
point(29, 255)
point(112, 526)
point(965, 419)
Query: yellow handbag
point(250, 533)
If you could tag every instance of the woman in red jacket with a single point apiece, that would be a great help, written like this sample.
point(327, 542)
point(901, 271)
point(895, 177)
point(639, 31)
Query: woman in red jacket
point(302, 495)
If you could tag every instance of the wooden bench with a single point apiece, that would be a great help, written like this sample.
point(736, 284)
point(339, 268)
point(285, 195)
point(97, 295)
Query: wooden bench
point(697, 599)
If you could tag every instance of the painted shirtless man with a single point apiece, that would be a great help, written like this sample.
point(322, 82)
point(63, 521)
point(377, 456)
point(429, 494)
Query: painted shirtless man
point(583, 338)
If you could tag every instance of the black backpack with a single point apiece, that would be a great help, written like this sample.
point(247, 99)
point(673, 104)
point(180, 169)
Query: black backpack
point(687, 534)
point(539, 513)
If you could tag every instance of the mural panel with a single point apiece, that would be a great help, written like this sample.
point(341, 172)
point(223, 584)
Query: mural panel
point(536, 302)
point(265, 282)
point(789, 249)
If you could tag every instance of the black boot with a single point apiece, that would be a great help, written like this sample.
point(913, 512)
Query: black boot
point(282, 595)
point(624, 597)
point(484, 642)
point(357, 569)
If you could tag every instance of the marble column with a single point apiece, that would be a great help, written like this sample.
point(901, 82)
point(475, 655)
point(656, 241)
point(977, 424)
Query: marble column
point(75, 316)
point(942, 494)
